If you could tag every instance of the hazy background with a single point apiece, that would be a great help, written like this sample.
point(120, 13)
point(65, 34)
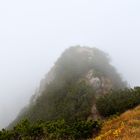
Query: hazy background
point(33, 33)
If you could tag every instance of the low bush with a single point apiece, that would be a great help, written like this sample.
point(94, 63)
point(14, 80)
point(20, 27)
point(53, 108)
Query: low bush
point(117, 102)
point(52, 130)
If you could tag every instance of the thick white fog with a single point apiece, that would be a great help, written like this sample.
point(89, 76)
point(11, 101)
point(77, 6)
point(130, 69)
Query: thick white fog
point(33, 34)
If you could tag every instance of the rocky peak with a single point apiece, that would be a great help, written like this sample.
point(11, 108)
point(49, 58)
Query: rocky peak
point(70, 88)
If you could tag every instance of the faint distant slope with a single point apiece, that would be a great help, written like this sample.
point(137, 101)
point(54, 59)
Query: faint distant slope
point(124, 127)
point(71, 86)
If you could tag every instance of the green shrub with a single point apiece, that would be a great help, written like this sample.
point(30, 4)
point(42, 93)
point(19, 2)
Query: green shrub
point(117, 102)
point(52, 130)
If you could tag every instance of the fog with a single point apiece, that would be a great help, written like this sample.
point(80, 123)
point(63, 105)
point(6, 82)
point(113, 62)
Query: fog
point(34, 33)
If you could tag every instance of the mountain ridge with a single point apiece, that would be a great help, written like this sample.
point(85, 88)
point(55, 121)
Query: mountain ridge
point(71, 86)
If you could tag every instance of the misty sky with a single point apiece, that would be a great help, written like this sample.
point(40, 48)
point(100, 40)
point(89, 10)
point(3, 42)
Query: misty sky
point(33, 34)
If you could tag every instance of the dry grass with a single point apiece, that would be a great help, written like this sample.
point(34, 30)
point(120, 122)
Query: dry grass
point(124, 127)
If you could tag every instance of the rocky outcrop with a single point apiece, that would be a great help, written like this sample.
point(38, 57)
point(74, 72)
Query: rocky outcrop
point(59, 94)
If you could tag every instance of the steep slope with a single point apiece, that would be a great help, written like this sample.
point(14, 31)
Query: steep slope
point(70, 89)
point(124, 127)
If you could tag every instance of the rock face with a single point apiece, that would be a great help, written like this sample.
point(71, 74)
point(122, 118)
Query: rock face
point(101, 82)
point(70, 88)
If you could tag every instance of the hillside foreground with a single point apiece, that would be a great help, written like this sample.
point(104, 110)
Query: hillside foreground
point(124, 127)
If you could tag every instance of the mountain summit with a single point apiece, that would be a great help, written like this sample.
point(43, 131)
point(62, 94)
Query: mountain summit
point(70, 88)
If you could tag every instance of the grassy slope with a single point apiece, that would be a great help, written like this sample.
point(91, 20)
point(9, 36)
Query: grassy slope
point(124, 127)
